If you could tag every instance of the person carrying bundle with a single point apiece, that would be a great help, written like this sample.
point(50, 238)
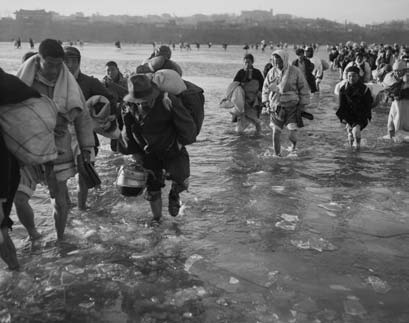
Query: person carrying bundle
point(156, 130)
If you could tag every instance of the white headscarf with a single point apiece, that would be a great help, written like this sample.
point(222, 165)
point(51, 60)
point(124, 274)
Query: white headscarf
point(285, 71)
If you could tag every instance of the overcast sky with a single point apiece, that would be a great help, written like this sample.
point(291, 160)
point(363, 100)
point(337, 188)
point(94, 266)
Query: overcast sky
point(358, 11)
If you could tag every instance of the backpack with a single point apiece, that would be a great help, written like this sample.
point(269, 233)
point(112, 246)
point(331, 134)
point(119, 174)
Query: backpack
point(193, 99)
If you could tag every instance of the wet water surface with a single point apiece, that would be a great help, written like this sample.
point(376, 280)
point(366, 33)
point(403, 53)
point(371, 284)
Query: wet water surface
point(318, 237)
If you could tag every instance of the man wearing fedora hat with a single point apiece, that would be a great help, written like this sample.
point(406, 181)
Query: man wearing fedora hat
point(156, 129)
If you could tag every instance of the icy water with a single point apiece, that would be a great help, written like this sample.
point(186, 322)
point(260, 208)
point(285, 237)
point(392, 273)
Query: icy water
point(322, 237)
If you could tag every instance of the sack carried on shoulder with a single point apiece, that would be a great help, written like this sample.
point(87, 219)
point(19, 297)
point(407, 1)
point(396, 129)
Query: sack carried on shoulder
point(169, 81)
point(193, 99)
point(28, 130)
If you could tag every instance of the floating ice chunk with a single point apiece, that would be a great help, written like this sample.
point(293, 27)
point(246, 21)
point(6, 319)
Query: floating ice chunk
point(74, 270)
point(87, 305)
point(319, 244)
point(233, 281)
point(191, 260)
point(378, 284)
point(289, 222)
point(352, 306)
point(222, 301)
point(334, 204)
point(73, 252)
point(292, 154)
point(286, 225)
point(331, 214)
point(289, 217)
point(327, 207)
point(272, 278)
point(278, 188)
point(89, 233)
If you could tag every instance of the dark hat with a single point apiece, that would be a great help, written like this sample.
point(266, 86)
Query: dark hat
point(140, 87)
point(359, 53)
point(71, 51)
point(353, 69)
point(164, 51)
point(299, 51)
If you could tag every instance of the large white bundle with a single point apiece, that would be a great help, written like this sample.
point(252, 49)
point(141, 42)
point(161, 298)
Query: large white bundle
point(234, 99)
point(28, 130)
point(103, 121)
point(338, 87)
point(376, 90)
point(169, 81)
point(399, 115)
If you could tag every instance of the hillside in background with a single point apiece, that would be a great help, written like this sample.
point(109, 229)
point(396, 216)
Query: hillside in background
point(249, 27)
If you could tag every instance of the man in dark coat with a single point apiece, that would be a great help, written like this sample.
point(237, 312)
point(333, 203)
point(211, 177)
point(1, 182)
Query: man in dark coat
point(355, 104)
point(156, 130)
point(305, 65)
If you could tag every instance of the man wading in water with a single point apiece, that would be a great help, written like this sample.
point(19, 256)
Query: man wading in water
point(156, 131)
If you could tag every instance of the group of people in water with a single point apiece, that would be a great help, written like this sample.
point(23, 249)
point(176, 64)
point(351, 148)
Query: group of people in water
point(153, 114)
point(139, 117)
point(284, 89)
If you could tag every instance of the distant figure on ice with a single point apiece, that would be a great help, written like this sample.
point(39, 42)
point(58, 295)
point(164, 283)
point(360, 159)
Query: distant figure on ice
point(31, 42)
point(17, 43)
point(355, 104)
point(117, 44)
point(224, 45)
